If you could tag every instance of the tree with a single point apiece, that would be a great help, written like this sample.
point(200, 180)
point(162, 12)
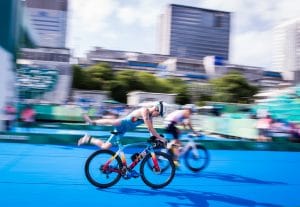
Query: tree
point(82, 80)
point(119, 91)
point(96, 77)
point(77, 74)
point(183, 96)
point(131, 79)
point(181, 89)
point(101, 77)
point(101, 71)
point(234, 88)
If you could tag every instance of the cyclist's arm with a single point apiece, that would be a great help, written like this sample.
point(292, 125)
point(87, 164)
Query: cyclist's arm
point(149, 124)
point(192, 129)
point(188, 123)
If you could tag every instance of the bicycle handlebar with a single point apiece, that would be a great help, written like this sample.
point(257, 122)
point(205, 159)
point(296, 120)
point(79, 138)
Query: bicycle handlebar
point(157, 143)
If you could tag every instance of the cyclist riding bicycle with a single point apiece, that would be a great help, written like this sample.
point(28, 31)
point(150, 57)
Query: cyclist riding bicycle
point(179, 117)
point(137, 117)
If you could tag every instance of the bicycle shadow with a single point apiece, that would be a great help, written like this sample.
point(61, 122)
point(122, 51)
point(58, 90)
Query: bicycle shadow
point(194, 198)
point(229, 177)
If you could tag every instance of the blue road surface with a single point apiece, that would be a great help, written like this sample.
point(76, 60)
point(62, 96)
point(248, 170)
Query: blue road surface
point(53, 175)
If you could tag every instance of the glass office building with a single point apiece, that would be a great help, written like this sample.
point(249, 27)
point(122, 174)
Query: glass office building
point(49, 18)
point(192, 32)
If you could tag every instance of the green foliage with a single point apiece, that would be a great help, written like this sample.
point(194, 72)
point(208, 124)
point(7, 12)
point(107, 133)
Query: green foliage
point(77, 75)
point(100, 71)
point(234, 88)
point(119, 91)
point(179, 87)
point(183, 96)
point(95, 77)
point(144, 81)
point(165, 86)
point(130, 79)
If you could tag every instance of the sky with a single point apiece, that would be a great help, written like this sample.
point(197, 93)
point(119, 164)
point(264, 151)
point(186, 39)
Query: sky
point(131, 25)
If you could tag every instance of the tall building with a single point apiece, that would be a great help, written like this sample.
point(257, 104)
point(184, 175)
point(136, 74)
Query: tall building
point(49, 18)
point(192, 32)
point(286, 51)
point(45, 73)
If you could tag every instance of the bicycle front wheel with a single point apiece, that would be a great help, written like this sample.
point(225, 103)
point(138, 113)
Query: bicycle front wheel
point(157, 178)
point(196, 159)
point(98, 173)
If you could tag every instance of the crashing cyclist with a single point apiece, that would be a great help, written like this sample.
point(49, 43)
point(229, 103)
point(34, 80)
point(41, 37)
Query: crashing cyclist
point(137, 117)
point(179, 117)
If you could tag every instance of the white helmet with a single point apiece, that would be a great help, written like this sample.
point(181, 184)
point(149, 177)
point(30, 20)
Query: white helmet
point(192, 107)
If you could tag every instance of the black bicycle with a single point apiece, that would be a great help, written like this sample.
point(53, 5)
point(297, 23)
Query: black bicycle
point(104, 168)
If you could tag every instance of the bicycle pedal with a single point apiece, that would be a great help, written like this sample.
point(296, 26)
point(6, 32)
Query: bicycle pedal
point(126, 176)
point(134, 174)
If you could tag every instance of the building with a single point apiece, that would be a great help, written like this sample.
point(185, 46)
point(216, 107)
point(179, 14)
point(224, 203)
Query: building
point(194, 33)
point(286, 55)
point(124, 60)
point(45, 72)
point(187, 69)
point(191, 70)
point(161, 65)
point(49, 19)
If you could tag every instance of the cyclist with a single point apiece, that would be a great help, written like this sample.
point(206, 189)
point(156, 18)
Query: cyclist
point(137, 117)
point(179, 117)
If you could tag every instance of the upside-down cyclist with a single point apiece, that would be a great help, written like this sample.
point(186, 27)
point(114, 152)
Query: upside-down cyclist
point(179, 117)
point(137, 117)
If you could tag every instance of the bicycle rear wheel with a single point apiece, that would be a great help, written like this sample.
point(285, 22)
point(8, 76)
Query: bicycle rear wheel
point(196, 159)
point(97, 174)
point(157, 178)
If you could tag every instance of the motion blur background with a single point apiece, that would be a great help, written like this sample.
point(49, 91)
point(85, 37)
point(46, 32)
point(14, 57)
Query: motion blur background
point(236, 60)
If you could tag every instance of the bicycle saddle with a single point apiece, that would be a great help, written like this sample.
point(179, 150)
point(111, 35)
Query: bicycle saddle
point(115, 132)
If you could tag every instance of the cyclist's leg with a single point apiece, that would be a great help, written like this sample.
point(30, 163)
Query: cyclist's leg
point(87, 139)
point(108, 143)
point(171, 128)
point(106, 121)
point(112, 122)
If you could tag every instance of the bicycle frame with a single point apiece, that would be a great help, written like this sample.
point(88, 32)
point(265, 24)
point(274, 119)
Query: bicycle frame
point(185, 146)
point(120, 152)
point(105, 167)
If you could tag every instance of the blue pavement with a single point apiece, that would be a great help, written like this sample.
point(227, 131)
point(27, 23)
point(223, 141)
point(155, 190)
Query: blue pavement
point(53, 175)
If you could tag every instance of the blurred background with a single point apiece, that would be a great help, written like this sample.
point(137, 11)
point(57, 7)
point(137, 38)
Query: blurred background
point(237, 61)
